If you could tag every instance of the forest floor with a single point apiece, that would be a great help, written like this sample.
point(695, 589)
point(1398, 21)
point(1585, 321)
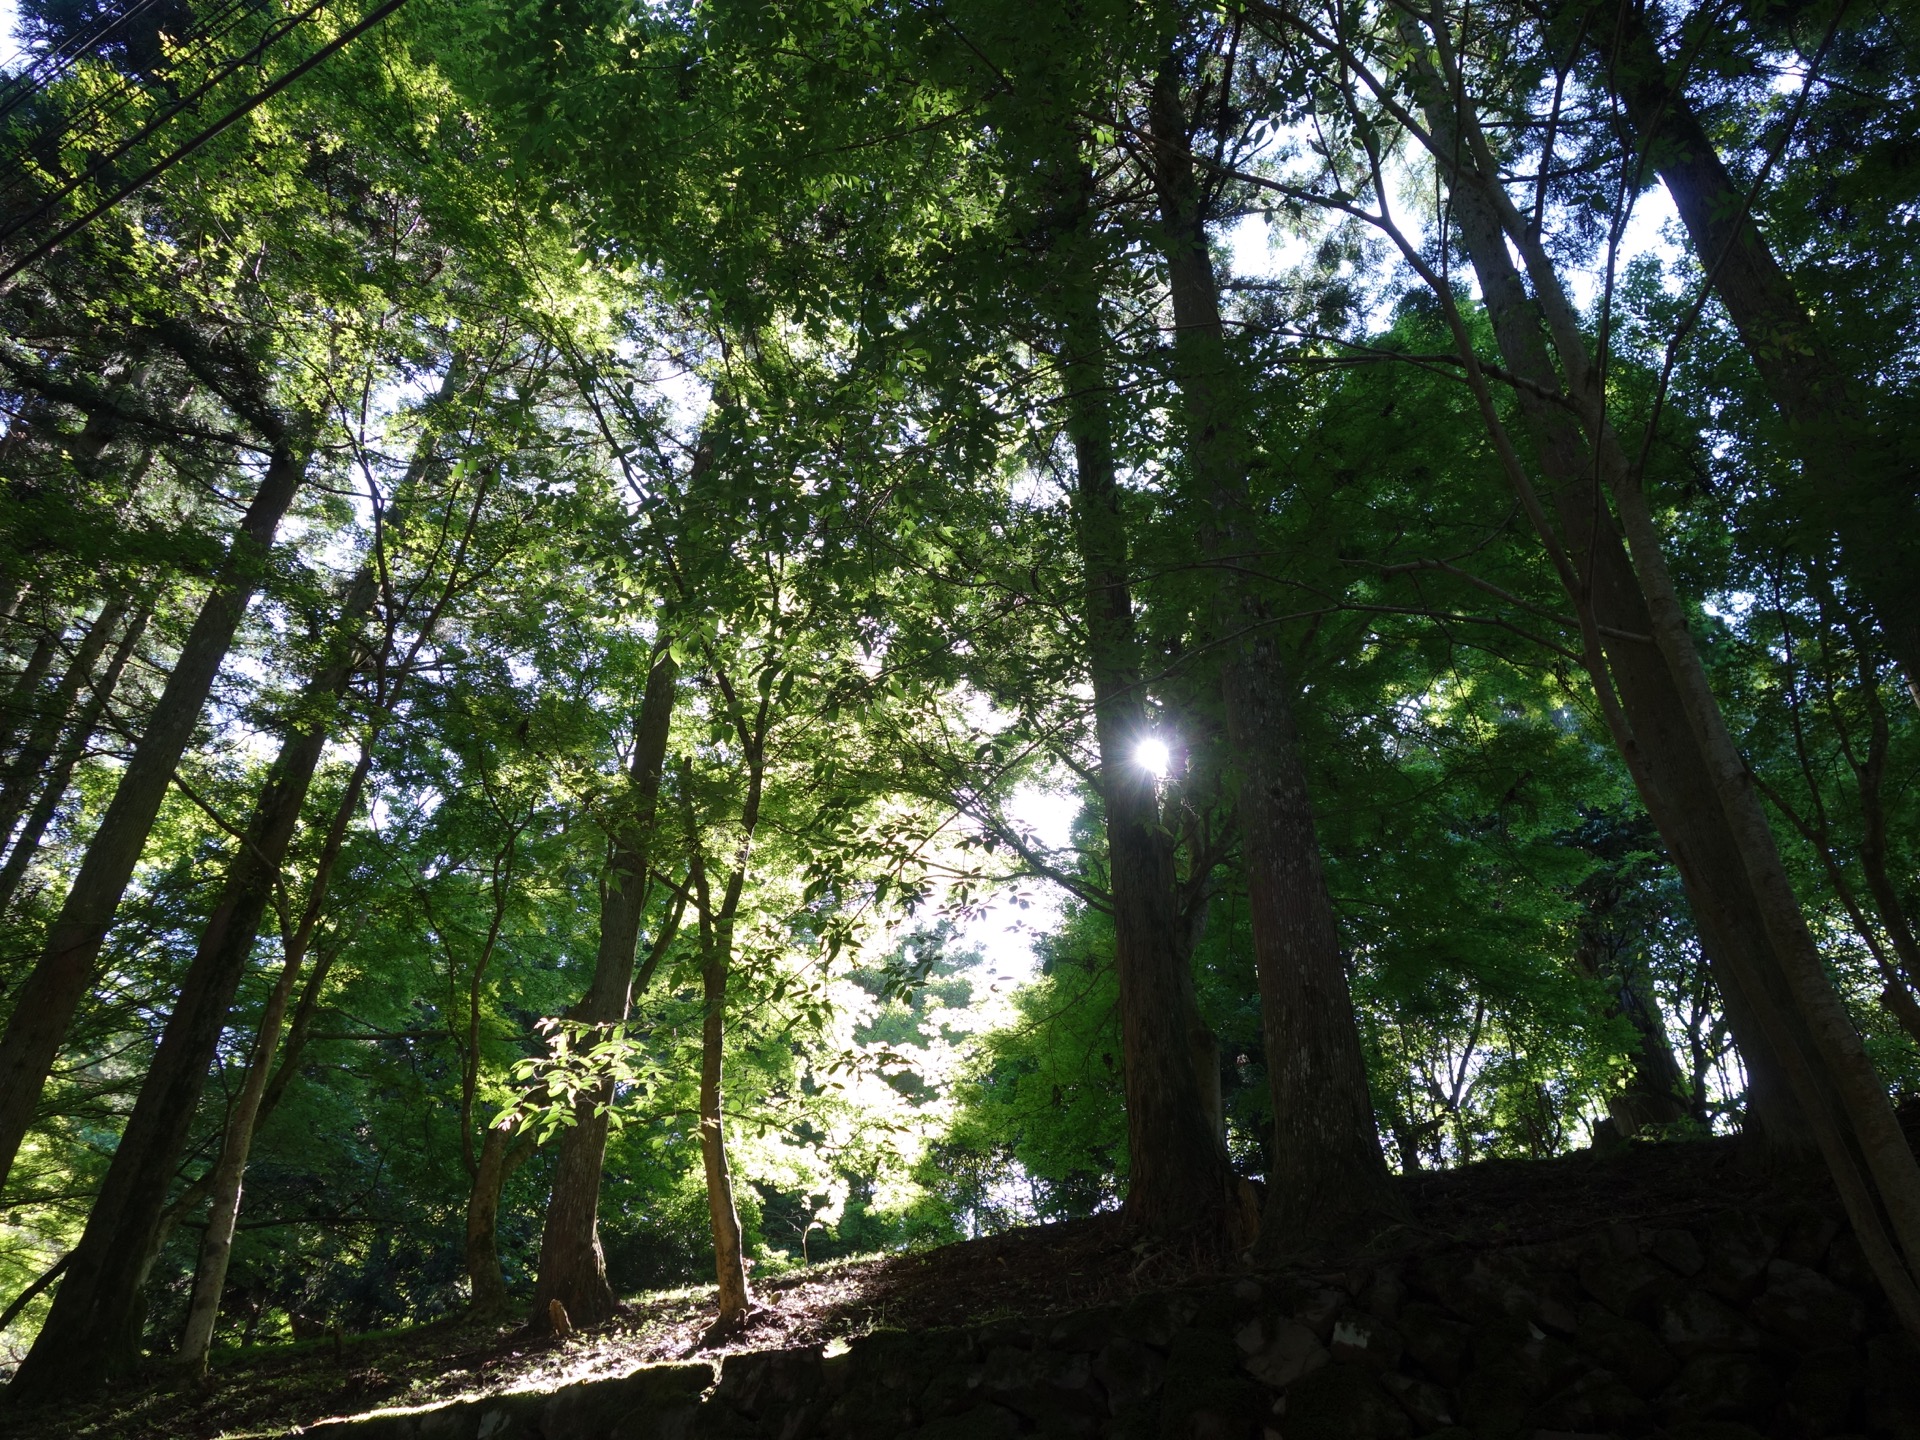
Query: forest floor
point(1034, 1271)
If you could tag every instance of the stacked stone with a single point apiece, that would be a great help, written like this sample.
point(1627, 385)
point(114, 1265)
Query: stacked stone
point(1735, 1327)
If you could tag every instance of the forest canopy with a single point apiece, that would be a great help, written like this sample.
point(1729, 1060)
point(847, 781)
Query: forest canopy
point(654, 643)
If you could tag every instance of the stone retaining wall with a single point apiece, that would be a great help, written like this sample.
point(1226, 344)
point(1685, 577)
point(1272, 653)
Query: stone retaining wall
point(1736, 1327)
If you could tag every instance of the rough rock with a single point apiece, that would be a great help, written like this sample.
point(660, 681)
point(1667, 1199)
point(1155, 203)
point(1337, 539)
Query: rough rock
point(1720, 1386)
point(1343, 1402)
point(1293, 1351)
point(1626, 1348)
point(1627, 1285)
point(1738, 1248)
point(1679, 1251)
point(1692, 1321)
point(1824, 1395)
point(1366, 1340)
point(1806, 1309)
point(1436, 1341)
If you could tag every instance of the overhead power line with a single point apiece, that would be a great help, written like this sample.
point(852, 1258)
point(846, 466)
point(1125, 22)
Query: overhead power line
point(202, 33)
point(103, 163)
point(237, 112)
point(16, 90)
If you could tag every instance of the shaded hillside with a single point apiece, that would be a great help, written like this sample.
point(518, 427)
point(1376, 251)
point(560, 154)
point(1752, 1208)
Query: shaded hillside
point(1075, 1267)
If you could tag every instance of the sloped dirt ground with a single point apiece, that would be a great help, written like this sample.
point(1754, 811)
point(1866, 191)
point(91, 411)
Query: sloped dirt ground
point(1023, 1272)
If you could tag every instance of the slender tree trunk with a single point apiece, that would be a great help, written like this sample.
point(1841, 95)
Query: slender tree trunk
point(47, 1002)
point(1331, 1181)
point(1179, 1180)
point(26, 1297)
point(573, 1270)
point(255, 877)
point(729, 1258)
point(197, 1190)
point(243, 1120)
point(54, 788)
point(23, 699)
point(716, 960)
point(1855, 486)
point(30, 765)
point(14, 586)
point(1787, 1000)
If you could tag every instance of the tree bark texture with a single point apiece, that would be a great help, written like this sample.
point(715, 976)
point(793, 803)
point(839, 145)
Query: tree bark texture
point(53, 788)
point(1330, 1180)
point(1779, 996)
point(52, 993)
point(1856, 487)
point(1656, 1089)
point(572, 1268)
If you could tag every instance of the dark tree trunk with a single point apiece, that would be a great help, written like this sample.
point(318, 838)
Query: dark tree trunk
point(47, 1002)
point(572, 1267)
point(1179, 1181)
point(90, 1337)
point(1856, 486)
point(1659, 742)
point(29, 767)
point(1331, 1180)
point(53, 788)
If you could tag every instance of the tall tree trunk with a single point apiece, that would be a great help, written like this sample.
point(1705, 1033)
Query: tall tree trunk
point(127, 1217)
point(53, 788)
point(573, 1270)
point(89, 1338)
point(1720, 839)
point(46, 1003)
point(1331, 1180)
point(243, 1119)
point(1179, 1180)
point(1855, 485)
point(29, 766)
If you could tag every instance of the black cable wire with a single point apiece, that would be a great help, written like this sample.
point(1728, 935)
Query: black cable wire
point(15, 90)
point(109, 109)
point(52, 67)
point(233, 116)
point(104, 110)
point(275, 33)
